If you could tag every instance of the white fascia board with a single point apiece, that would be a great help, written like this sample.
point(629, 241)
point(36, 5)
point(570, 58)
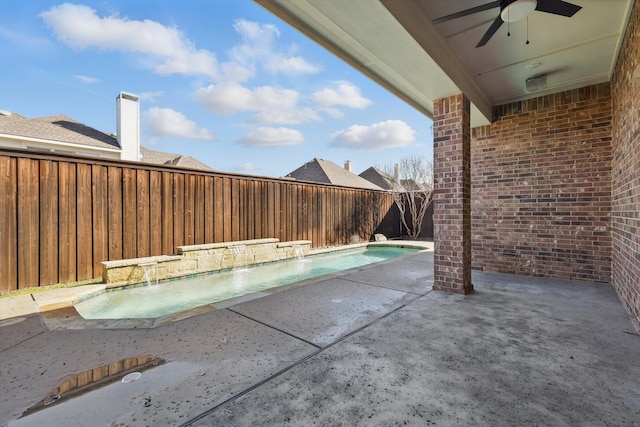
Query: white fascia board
point(19, 139)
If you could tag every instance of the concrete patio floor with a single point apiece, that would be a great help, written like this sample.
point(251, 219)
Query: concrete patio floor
point(374, 346)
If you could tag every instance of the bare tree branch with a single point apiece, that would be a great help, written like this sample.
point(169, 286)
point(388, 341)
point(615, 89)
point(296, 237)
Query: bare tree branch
point(412, 191)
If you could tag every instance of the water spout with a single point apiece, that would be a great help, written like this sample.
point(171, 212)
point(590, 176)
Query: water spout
point(239, 252)
point(149, 268)
point(298, 251)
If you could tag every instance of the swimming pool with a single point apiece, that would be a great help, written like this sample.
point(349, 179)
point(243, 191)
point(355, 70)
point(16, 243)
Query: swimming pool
point(183, 294)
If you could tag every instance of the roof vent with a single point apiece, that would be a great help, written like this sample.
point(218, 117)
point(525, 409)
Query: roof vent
point(5, 113)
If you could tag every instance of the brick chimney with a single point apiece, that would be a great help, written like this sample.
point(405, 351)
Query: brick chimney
point(128, 126)
point(347, 165)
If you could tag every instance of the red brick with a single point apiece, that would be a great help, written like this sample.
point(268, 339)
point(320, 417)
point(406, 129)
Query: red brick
point(625, 176)
point(452, 201)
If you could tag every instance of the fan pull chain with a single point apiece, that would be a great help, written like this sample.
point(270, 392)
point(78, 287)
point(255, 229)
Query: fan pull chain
point(527, 30)
point(508, 22)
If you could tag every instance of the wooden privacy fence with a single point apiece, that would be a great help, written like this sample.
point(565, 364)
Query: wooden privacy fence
point(60, 216)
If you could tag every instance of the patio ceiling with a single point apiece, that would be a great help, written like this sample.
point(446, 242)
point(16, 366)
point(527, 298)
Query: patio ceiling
point(396, 44)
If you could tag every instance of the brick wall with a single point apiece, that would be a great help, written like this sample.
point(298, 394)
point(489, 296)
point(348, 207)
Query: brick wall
point(626, 172)
point(452, 210)
point(541, 187)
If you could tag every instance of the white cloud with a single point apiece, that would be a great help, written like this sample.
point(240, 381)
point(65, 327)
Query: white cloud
point(163, 122)
point(271, 104)
point(286, 117)
point(231, 97)
point(86, 79)
point(259, 49)
point(291, 65)
point(272, 137)
point(390, 133)
point(151, 96)
point(345, 94)
point(80, 27)
point(247, 168)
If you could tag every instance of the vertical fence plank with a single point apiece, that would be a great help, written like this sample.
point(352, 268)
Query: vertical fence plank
point(143, 212)
point(328, 214)
point(282, 215)
point(48, 246)
point(288, 219)
point(308, 208)
point(8, 225)
point(288, 222)
point(323, 219)
point(273, 208)
point(247, 210)
point(167, 214)
point(100, 209)
point(265, 207)
point(315, 214)
point(209, 210)
point(28, 227)
point(338, 218)
point(218, 207)
point(84, 231)
point(263, 200)
point(189, 206)
point(301, 208)
point(155, 213)
point(235, 209)
point(67, 246)
point(249, 214)
point(302, 212)
point(226, 209)
point(178, 210)
point(294, 213)
point(115, 217)
point(199, 210)
point(129, 214)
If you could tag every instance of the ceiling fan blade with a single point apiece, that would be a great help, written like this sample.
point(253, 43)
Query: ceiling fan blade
point(558, 7)
point(490, 32)
point(467, 12)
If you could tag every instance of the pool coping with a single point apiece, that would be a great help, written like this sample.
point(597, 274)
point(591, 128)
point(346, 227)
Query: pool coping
point(57, 311)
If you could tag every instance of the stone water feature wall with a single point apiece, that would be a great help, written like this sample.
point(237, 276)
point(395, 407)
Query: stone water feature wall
point(194, 259)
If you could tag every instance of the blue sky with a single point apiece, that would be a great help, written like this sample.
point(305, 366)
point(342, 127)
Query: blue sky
point(223, 81)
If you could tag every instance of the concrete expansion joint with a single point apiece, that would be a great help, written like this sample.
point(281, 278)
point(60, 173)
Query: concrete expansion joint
point(293, 365)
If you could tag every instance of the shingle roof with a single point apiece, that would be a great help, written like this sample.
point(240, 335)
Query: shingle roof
point(57, 128)
point(161, 158)
point(380, 178)
point(320, 170)
point(61, 128)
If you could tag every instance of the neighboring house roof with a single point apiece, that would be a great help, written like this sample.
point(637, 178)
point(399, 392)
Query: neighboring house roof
point(160, 158)
point(380, 178)
point(63, 129)
point(412, 185)
point(319, 170)
point(58, 128)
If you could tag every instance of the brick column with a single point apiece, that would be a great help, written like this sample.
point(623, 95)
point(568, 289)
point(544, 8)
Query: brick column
point(452, 195)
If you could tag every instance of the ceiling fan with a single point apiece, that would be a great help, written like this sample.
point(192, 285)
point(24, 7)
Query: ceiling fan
point(514, 10)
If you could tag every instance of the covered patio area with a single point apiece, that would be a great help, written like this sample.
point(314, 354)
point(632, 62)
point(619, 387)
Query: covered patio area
point(536, 158)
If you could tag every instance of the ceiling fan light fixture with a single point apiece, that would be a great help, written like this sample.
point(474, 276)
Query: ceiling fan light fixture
point(515, 10)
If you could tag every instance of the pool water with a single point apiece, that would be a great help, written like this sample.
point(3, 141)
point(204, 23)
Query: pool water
point(183, 294)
